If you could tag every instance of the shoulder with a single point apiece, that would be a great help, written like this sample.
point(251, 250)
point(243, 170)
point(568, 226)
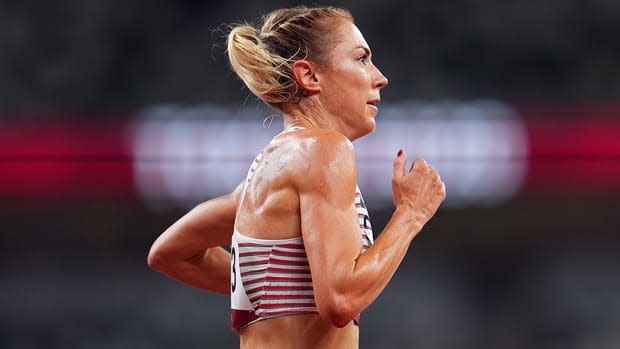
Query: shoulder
point(324, 157)
point(325, 145)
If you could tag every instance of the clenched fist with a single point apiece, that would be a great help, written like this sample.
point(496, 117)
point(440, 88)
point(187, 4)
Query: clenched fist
point(420, 190)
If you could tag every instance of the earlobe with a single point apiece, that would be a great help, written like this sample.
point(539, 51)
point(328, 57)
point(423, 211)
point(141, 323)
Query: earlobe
point(305, 75)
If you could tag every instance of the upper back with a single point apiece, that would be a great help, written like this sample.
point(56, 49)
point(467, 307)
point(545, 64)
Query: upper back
point(269, 204)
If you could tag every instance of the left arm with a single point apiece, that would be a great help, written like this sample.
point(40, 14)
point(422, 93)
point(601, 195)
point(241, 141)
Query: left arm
point(189, 251)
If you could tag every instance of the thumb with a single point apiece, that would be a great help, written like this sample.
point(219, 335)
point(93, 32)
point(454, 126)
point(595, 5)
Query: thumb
point(399, 164)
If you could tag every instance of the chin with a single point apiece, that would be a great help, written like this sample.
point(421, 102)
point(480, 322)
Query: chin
point(367, 128)
point(372, 123)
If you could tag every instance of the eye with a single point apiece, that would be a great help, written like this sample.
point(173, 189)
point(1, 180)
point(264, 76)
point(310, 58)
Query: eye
point(363, 58)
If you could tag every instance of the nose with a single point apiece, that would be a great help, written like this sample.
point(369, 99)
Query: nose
point(380, 80)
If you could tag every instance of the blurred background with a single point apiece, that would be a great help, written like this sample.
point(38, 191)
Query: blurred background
point(116, 117)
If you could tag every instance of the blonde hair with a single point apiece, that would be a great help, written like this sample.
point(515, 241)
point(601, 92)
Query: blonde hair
point(263, 58)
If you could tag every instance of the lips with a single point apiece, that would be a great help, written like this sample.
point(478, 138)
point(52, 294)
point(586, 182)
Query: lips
point(373, 104)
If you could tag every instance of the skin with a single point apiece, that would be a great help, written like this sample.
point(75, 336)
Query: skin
point(305, 186)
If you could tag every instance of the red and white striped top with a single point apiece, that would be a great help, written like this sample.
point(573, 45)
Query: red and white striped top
point(272, 277)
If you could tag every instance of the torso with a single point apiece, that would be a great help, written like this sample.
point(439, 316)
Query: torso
point(299, 332)
point(268, 227)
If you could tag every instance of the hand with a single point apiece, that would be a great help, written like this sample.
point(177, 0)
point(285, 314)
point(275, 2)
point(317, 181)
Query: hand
point(421, 190)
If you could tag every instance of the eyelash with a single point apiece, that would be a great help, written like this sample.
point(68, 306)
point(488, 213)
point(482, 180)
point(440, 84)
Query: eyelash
point(363, 59)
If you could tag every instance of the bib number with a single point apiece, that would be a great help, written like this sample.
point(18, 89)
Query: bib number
point(233, 280)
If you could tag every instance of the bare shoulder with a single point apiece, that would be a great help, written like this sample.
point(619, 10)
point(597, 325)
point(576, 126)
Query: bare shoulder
point(324, 145)
point(324, 157)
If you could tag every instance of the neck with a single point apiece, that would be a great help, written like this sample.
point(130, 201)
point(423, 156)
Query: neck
point(308, 114)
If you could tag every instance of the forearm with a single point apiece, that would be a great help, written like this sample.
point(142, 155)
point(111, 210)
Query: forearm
point(208, 271)
point(374, 268)
point(417, 196)
point(189, 250)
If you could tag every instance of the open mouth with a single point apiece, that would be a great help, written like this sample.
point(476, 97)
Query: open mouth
point(373, 103)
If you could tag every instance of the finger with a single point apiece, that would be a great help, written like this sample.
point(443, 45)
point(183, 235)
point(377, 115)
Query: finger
point(418, 164)
point(443, 191)
point(434, 173)
point(399, 164)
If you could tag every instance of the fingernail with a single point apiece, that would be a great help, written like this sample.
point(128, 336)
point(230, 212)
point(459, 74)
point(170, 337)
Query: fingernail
point(400, 152)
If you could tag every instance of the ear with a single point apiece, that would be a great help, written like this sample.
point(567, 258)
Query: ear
point(306, 75)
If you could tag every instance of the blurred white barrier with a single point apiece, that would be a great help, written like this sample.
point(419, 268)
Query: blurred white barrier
point(184, 155)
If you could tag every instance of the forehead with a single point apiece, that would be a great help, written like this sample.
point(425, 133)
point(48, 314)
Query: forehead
point(350, 37)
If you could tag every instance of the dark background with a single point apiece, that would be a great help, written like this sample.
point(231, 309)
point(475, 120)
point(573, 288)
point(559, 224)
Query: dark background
point(541, 270)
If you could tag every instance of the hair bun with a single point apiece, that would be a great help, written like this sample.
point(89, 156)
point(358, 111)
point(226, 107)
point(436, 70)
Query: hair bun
point(263, 60)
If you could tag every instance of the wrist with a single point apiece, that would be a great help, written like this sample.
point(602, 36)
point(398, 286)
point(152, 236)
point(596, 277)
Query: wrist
point(409, 218)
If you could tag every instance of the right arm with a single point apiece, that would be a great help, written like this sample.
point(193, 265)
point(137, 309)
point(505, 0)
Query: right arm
point(189, 251)
point(345, 280)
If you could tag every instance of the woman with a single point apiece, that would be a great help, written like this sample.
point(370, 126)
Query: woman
point(302, 265)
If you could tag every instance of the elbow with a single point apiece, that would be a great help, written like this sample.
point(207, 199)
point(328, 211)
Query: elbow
point(338, 311)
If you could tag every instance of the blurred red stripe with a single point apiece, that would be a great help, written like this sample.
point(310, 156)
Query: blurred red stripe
point(574, 155)
point(65, 159)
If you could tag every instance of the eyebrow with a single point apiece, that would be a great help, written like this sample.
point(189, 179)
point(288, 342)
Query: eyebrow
point(366, 49)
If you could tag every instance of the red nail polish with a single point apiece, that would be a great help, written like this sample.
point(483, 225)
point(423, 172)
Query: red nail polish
point(400, 152)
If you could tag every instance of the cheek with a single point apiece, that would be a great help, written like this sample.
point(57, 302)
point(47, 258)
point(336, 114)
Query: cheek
point(345, 87)
point(353, 85)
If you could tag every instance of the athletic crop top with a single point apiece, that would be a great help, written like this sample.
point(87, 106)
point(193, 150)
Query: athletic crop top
point(271, 278)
